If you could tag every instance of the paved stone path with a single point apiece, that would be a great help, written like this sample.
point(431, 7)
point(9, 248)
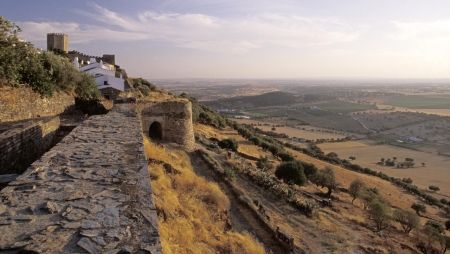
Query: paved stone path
point(90, 193)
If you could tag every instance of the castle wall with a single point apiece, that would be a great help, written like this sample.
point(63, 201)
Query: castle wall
point(24, 143)
point(23, 103)
point(90, 193)
point(111, 59)
point(175, 118)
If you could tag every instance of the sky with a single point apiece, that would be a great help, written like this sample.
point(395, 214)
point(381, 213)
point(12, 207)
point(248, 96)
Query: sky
point(263, 39)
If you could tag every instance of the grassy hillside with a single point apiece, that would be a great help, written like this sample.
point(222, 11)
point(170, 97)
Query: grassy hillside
point(192, 212)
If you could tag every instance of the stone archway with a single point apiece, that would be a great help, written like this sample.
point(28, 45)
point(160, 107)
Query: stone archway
point(155, 130)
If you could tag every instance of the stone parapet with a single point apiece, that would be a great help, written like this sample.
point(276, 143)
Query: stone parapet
point(90, 193)
point(25, 142)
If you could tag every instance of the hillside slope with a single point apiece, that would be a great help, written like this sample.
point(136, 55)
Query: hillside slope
point(192, 212)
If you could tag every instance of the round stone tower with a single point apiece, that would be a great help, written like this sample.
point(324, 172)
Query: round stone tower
point(168, 120)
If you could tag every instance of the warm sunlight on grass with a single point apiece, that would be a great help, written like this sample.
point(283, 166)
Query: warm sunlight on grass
point(191, 210)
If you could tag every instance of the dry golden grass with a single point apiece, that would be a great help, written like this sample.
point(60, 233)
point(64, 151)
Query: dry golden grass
point(191, 209)
point(208, 131)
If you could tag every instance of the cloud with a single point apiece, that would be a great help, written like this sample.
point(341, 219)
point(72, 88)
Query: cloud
point(199, 31)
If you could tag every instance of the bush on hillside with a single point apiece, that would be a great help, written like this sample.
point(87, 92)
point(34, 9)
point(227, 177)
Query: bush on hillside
point(45, 72)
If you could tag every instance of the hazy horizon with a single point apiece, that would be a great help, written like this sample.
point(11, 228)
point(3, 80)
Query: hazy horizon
point(250, 39)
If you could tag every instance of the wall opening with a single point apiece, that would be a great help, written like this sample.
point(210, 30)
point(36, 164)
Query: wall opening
point(155, 131)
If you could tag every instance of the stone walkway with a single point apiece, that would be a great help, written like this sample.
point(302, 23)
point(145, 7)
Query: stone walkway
point(90, 193)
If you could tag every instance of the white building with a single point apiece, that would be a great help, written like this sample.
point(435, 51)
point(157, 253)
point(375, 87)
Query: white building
point(104, 74)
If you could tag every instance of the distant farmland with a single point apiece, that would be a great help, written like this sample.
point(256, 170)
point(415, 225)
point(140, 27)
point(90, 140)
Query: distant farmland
point(436, 101)
point(344, 107)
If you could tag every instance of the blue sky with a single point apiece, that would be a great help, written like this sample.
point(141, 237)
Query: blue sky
point(250, 38)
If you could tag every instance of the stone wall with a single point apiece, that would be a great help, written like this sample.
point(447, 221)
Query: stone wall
point(23, 103)
point(25, 142)
point(90, 193)
point(174, 116)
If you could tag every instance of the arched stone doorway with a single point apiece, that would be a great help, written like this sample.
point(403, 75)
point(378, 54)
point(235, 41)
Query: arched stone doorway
point(155, 130)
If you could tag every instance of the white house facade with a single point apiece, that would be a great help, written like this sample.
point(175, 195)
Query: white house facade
point(104, 74)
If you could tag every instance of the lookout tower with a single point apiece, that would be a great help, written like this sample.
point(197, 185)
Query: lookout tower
point(57, 41)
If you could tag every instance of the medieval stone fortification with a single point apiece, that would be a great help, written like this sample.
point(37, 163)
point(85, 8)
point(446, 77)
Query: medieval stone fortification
point(111, 59)
point(57, 41)
point(168, 120)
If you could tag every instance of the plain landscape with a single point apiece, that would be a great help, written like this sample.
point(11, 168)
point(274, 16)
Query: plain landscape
point(398, 131)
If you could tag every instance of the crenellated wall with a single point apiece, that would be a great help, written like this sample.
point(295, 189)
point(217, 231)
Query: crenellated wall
point(23, 103)
point(175, 116)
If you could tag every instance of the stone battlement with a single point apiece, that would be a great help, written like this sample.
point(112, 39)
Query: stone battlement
point(90, 193)
point(56, 34)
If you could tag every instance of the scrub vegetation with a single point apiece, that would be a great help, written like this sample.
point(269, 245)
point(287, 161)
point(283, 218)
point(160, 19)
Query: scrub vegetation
point(45, 72)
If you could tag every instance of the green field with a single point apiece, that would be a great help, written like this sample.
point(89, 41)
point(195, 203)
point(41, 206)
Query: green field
point(422, 101)
point(344, 107)
point(258, 115)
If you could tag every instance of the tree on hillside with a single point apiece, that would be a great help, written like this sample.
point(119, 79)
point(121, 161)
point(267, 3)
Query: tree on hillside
point(255, 140)
point(379, 212)
point(355, 189)
point(325, 178)
point(368, 195)
point(285, 156)
point(430, 235)
point(408, 219)
point(265, 145)
point(438, 226)
point(352, 158)
point(291, 172)
point(419, 208)
point(229, 143)
point(309, 169)
point(332, 154)
point(87, 88)
point(274, 150)
point(447, 225)
point(433, 188)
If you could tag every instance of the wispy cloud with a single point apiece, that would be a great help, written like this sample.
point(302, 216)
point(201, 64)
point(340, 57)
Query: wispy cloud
point(199, 31)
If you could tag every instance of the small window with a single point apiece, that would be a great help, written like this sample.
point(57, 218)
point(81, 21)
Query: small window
point(107, 96)
point(105, 83)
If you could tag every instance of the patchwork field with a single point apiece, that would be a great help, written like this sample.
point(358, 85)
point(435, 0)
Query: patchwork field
point(431, 101)
point(344, 107)
point(368, 153)
point(308, 134)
